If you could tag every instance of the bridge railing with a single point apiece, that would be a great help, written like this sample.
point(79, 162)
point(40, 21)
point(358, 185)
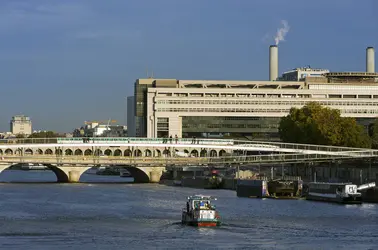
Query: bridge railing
point(307, 147)
point(218, 142)
point(159, 161)
point(120, 140)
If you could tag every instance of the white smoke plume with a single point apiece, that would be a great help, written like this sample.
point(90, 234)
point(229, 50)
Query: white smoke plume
point(281, 32)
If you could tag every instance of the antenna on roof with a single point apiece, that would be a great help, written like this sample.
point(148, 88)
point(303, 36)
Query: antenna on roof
point(152, 74)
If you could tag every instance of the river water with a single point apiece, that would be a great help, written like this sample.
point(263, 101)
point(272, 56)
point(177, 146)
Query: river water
point(147, 216)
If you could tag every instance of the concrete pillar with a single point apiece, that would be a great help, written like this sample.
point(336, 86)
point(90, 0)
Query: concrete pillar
point(68, 174)
point(74, 176)
point(155, 176)
point(146, 174)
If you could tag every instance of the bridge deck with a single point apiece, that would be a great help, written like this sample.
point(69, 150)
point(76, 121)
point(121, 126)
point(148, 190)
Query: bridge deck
point(281, 152)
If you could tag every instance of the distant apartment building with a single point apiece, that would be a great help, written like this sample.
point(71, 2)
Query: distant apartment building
point(21, 124)
point(95, 129)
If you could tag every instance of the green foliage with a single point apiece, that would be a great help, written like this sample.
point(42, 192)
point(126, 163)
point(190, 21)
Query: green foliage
point(314, 124)
point(43, 134)
point(373, 133)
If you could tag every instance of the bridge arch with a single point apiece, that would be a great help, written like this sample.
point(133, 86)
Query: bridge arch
point(203, 153)
point(117, 152)
point(157, 153)
point(145, 174)
point(28, 151)
point(88, 152)
point(48, 152)
point(166, 153)
point(68, 152)
point(137, 153)
point(18, 151)
point(1, 151)
point(147, 153)
point(78, 152)
point(194, 153)
point(127, 152)
point(222, 153)
point(8, 151)
point(213, 153)
point(68, 174)
point(108, 152)
point(39, 152)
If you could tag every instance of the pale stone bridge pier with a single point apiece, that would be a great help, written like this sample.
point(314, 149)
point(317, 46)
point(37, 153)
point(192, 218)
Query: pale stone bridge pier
point(147, 158)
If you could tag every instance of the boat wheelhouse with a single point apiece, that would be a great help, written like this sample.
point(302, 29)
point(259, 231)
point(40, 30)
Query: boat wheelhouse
point(199, 211)
point(346, 193)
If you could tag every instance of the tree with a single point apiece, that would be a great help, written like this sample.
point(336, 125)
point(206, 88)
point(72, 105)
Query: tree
point(44, 134)
point(373, 133)
point(315, 124)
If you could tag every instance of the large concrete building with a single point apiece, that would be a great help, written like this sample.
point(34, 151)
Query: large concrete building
point(252, 109)
point(131, 132)
point(21, 124)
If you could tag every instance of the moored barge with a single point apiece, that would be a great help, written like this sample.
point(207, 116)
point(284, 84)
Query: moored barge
point(345, 193)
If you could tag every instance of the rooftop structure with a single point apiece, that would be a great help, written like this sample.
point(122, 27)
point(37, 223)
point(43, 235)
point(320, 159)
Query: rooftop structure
point(300, 74)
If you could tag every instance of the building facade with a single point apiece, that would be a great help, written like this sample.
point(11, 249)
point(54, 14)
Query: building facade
point(249, 109)
point(131, 132)
point(21, 124)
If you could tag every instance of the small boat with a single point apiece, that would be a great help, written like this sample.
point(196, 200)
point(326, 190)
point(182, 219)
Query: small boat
point(345, 193)
point(200, 212)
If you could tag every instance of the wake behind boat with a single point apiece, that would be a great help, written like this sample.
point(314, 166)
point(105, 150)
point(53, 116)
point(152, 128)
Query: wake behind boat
point(200, 212)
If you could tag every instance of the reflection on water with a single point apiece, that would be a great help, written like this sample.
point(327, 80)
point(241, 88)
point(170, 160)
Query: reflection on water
point(143, 216)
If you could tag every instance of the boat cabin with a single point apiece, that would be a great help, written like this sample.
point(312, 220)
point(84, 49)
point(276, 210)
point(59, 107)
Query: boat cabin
point(199, 202)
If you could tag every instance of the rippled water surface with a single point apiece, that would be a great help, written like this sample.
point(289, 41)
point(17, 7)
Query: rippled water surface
point(147, 216)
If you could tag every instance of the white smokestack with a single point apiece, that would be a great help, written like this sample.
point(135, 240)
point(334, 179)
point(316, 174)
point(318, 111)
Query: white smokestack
point(273, 63)
point(370, 60)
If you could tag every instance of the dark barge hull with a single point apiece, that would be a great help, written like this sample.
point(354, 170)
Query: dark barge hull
point(350, 200)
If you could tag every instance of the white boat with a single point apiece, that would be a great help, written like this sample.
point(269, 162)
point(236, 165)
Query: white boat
point(346, 193)
point(200, 212)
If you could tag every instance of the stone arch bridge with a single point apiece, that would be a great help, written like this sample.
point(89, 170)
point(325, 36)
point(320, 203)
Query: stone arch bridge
point(146, 158)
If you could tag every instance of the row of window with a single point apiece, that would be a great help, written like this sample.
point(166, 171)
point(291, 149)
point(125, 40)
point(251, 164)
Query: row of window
point(228, 118)
point(246, 102)
point(233, 126)
point(262, 95)
point(258, 110)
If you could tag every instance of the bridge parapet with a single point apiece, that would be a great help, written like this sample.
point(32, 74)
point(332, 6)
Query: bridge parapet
point(181, 161)
point(243, 144)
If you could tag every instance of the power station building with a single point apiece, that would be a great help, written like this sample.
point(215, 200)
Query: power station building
point(252, 109)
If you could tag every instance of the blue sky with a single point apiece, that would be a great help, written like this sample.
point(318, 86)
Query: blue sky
point(64, 62)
